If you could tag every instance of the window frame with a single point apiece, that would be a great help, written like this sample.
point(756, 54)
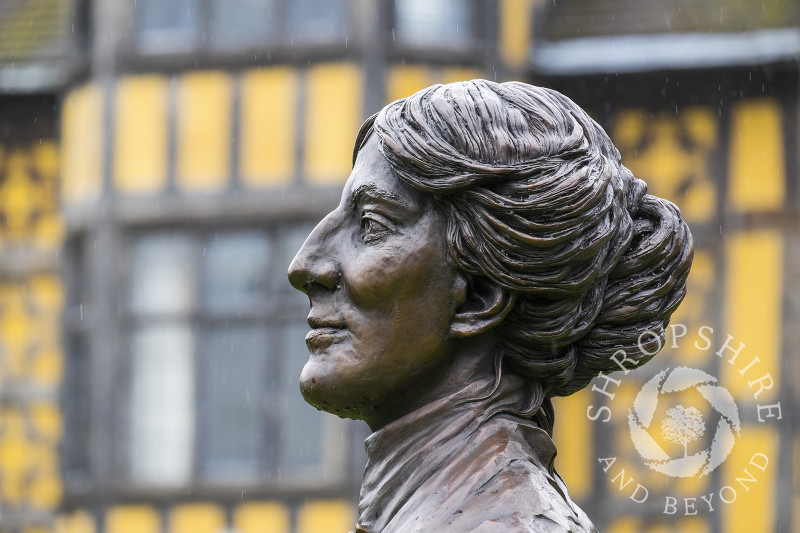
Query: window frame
point(273, 314)
point(277, 43)
point(106, 476)
point(482, 16)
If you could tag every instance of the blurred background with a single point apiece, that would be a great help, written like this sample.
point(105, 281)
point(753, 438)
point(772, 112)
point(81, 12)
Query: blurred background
point(161, 162)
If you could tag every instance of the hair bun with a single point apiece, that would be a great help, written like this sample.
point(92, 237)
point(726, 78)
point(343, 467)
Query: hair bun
point(642, 292)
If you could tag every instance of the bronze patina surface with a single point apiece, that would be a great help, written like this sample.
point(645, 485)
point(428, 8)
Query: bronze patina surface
point(490, 252)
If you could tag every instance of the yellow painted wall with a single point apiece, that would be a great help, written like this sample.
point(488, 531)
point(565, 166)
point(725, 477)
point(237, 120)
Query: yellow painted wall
point(756, 156)
point(29, 196)
point(753, 308)
point(325, 516)
point(314, 516)
point(636, 525)
point(755, 501)
point(573, 430)
point(140, 134)
point(203, 131)
point(262, 517)
point(676, 156)
point(196, 518)
point(405, 80)
point(132, 519)
point(454, 74)
point(268, 126)
point(515, 31)
point(673, 154)
point(83, 138)
point(30, 315)
point(332, 119)
point(28, 461)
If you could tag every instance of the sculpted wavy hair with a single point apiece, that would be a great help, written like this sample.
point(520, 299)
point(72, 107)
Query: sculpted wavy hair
point(536, 200)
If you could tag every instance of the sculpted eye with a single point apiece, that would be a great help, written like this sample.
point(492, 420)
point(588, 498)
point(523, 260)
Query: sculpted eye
point(372, 228)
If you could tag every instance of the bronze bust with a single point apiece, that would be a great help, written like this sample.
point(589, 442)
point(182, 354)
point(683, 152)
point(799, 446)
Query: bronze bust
point(490, 252)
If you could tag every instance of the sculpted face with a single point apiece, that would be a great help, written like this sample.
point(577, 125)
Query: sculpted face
point(383, 297)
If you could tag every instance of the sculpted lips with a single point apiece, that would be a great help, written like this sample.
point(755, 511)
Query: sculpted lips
point(323, 332)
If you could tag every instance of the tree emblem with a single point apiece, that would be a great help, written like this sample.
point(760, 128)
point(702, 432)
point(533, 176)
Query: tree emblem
point(682, 426)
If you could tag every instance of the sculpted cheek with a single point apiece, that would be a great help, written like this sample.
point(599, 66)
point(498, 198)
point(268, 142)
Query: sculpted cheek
point(382, 276)
point(369, 283)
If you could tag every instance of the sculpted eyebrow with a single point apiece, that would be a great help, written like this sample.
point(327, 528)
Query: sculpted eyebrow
point(371, 192)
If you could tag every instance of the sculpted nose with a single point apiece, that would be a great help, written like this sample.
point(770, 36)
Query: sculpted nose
point(314, 266)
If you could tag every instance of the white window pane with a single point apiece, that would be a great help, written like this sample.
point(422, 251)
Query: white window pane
point(240, 22)
point(236, 269)
point(166, 25)
point(317, 20)
point(234, 401)
point(161, 274)
point(162, 405)
point(425, 22)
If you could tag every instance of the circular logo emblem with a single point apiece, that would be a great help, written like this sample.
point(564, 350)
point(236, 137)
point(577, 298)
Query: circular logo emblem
point(683, 425)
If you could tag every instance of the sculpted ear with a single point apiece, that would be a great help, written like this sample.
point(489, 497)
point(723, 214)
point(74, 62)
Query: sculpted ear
point(485, 305)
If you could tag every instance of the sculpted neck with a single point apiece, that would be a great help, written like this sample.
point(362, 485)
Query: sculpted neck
point(471, 360)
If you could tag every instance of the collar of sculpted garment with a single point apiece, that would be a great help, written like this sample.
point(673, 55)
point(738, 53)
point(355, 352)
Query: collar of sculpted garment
point(467, 462)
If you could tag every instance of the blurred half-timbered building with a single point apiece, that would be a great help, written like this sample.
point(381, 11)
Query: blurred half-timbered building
point(161, 162)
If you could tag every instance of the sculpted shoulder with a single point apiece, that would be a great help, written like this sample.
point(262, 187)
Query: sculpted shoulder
point(520, 494)
point(499, 481)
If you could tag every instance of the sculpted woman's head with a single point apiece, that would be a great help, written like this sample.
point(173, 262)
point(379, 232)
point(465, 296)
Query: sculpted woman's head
point(485, 227)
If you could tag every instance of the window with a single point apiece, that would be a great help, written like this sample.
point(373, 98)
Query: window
point(161, 366)
point(170, 25)
point(445, 23)
point(241, 23)
point(215, 346)
point(229, 25)
point(317, 20)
